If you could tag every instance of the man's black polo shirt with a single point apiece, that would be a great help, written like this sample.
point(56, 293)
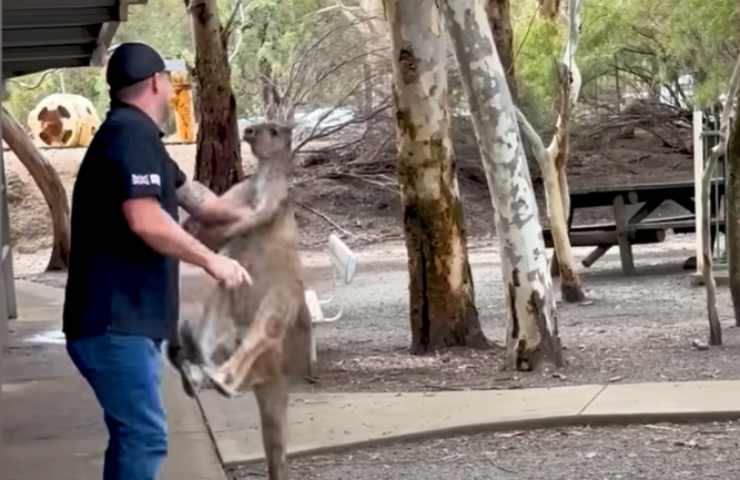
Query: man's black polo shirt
point(116, 281)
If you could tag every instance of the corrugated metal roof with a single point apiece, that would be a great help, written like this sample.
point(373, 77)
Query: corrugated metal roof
point(43, 34)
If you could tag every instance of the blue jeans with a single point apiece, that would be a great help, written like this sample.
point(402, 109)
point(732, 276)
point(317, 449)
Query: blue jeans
point(125, 372)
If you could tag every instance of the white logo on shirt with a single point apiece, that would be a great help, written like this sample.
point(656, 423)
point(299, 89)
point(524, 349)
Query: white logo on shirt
point(147, 179)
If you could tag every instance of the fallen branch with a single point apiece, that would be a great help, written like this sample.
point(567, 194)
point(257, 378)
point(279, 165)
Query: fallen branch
point(374, 156)
point(327, 219)
point(390, 185)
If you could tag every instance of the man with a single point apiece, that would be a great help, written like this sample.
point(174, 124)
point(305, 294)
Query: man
point(121, 299)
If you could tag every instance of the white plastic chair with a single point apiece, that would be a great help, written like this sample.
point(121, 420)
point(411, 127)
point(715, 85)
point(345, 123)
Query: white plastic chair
point(344, 261)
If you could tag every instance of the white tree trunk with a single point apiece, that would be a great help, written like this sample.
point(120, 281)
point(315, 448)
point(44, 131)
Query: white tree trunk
point(559, 147)
point(532, 328)
point(442, 300)
point(553, 160)
point(570, 282)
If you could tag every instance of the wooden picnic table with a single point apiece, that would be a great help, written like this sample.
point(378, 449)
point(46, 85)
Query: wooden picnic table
point(634, 227)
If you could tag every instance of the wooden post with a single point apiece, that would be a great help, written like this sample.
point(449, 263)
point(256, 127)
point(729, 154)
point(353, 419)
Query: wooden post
point(596, 254)
point(625, 248)
point(698, 126)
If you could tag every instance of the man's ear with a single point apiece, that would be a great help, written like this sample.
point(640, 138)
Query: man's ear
point(158, 79)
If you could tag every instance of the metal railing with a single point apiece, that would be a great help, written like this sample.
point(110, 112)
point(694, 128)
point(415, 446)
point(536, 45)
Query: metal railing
point(710, 139)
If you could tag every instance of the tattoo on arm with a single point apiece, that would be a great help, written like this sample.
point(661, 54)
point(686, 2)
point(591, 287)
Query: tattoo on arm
point(192, 196)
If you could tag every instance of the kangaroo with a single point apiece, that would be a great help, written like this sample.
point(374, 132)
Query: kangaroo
point(255, 337)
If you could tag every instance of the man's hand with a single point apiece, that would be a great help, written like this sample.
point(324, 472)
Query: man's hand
point(227, 271)
point(247, 218)
point(155, 227)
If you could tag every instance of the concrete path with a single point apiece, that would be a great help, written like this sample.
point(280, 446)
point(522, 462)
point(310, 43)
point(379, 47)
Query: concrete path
point(52, 425)
point(321, 423)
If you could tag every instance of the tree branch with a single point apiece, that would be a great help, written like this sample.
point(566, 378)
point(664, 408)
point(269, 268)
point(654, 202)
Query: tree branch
point(26, 86)
point(535, 141)
point(327, 219)
point(226, 32)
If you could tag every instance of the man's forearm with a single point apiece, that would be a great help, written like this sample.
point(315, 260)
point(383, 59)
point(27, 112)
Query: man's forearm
point(170, 239)
point(163, 234)
point(206, 206)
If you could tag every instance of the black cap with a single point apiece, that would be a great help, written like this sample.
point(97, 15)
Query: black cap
point(131, 63)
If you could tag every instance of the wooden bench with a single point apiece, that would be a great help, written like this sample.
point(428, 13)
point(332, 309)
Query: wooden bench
point(631, 205)
point(681, 223)
point(604, 236)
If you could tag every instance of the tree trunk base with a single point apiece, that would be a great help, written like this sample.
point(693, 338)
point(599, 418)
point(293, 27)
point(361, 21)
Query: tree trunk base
point(715, 327)
point(476, 341)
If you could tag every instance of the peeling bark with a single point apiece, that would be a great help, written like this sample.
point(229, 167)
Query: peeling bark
point(570, 284)
point(570, 89)
point(441, 291)
point(218, 163)
point(50, 184)
point(532, 330)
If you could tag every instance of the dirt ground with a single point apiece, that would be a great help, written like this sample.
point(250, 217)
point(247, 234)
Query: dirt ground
point(649, 452)
point(637, 329)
